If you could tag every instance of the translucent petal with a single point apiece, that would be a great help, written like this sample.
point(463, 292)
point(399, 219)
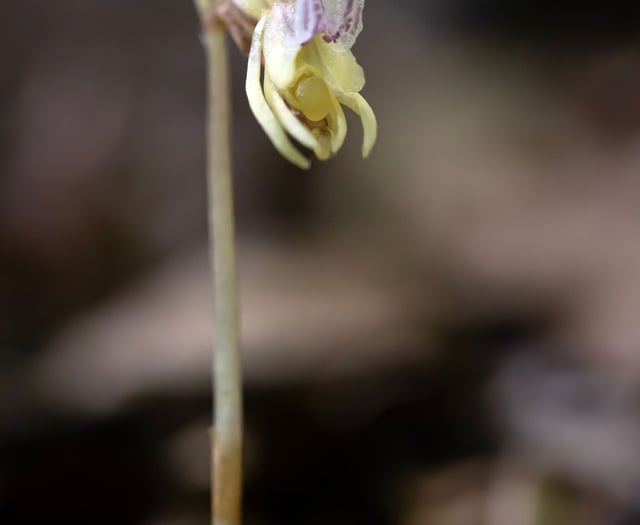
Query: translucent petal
point(280, 45)
point(342, 21)
point(339, 21)
point(359, 105)
point(260, 108)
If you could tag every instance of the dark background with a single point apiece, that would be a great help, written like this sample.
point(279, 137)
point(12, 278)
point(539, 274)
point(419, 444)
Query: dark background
point(445, 333)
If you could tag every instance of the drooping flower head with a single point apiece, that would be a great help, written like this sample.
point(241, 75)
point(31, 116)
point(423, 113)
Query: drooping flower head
point(301, 71)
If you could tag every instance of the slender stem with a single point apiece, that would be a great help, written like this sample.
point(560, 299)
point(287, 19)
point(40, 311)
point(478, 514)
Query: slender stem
point(227, 378)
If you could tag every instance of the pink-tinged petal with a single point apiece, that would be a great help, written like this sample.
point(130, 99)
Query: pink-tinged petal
point(342, 22)
point(339, 21)
point(308, 17)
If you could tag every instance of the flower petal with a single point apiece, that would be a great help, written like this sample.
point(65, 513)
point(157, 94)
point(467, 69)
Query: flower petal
point(323, 148)
point(280, 45)
point(359, 105)
point(338, 67)
point(337, 125)
point(289, 121)
point(308, 16)
point(260, 108)
point(340, 21)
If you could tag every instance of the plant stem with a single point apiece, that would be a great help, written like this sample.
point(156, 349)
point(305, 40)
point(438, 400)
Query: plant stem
point(227, 377)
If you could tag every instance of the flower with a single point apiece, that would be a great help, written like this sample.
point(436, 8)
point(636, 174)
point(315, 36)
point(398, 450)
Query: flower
point(301, 71)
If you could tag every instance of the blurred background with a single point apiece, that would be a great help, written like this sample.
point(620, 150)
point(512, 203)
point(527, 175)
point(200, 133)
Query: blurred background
point(446, 333)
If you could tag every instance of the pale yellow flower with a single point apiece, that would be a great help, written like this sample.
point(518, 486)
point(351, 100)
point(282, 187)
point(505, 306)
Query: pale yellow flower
point(301, 71)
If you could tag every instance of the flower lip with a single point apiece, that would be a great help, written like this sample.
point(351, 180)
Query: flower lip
point(312, 96)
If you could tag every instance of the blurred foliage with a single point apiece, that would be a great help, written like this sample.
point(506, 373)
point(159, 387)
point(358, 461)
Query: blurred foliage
point(429, 336)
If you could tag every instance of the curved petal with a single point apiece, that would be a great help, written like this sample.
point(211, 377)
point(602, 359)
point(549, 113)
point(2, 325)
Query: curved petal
point(260, 108)
point(337, 125)
point(359, 105)
point(289, 121)
point(323, 148)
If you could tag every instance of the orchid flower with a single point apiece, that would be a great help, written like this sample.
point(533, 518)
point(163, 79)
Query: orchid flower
point(301, 71)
